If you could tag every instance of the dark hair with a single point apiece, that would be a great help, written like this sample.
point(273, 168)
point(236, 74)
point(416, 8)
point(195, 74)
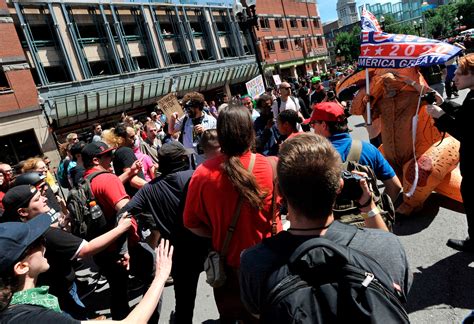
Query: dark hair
point(94, 125)
point(309, 170)
point(291, 117)
point(209, 139)
point(236, 136)
point(262, 100)
point(337, 127)
point(9, 284)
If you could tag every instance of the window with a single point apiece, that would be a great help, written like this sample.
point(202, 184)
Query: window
point(19, 146)
point(270, 45)
point(264, 23)
point(298, 43)
point(319, 40)
point(4, 85)
point(316, 23)
point(304, 23)
point(279, 23)
point(283, 44)
point(293, 23)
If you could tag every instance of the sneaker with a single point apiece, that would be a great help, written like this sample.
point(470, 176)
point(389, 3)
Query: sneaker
point(466, 245)
point(456, 94)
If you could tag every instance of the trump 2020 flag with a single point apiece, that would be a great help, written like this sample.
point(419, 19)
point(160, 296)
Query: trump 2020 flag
point(382, 50)
point(369, 22)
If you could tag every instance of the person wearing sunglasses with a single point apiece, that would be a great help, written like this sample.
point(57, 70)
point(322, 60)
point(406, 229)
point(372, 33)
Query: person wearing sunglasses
point(23, 260)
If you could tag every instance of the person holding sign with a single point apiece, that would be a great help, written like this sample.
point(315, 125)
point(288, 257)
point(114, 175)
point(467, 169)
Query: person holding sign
point(193, 123)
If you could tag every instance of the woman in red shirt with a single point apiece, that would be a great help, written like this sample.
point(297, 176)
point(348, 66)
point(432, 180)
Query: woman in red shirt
point(213, 196)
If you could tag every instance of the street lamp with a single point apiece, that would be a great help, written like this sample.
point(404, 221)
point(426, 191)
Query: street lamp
point(417, 27)
point(458, 22)
point(42, 102)
point(382, 22)
point(247, 17)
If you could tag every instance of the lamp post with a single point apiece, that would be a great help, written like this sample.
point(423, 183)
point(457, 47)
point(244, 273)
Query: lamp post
point(417, 27)
point(458, 22)
point(248, 19)
point(42, 102)
point(382, 23)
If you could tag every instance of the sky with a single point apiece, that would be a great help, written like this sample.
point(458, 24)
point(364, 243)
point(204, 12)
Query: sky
point(327, 8)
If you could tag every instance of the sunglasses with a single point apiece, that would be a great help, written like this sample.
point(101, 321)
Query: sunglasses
point(287, 88)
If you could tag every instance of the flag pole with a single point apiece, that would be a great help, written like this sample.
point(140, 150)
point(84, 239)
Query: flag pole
point(368, 122)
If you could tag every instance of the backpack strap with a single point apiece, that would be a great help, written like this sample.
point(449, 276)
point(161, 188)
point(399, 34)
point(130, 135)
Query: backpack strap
point(294, 101)
point(88, 181)
point(273, 162)
point(279, 104)
point(235, 218)
point(183, 126)
point(355, 151)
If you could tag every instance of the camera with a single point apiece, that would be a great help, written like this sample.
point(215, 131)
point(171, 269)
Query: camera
point(429, 98)
point(351, 189)
point(331, 95)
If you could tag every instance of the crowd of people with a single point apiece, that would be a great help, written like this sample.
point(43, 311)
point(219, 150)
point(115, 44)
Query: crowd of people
point(217, 178)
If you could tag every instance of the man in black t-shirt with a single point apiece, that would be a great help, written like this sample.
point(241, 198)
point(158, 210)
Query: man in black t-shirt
point(164, 199)
point(124, 158)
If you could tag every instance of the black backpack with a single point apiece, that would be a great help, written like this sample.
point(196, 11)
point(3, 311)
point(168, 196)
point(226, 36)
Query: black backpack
point(347, 211)
point(78, 200)
point(326, 282)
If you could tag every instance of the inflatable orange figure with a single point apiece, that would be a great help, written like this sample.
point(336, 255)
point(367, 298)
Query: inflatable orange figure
point(394, 96)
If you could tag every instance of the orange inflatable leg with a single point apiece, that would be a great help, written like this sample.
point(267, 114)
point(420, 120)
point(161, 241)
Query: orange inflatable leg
point(450, 185)
point(433, 166)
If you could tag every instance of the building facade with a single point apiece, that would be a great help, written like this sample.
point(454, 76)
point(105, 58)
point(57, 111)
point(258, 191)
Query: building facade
point(290, 37)
point(347, 12)
point(24, 131)
point(90, 61)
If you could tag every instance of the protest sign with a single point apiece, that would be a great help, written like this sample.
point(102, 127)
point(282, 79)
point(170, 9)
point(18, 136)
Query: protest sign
point(255, 87)
point(169, 104)
point(277, 79)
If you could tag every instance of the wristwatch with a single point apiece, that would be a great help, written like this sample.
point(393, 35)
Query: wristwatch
point(371, 213)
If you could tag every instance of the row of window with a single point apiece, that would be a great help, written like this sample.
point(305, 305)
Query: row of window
point(265, 23)
point(270, 43)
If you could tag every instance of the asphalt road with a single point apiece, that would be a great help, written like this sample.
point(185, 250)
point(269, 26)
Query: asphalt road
point(442, 290)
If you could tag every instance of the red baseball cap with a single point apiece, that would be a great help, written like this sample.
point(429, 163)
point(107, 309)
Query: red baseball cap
point(326, 111)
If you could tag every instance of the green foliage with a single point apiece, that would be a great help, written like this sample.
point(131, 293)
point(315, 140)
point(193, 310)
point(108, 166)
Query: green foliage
point(394, 27)
point(349, 44)
point(441, 22)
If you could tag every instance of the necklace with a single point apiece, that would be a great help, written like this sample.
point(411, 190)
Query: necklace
point(309, 229)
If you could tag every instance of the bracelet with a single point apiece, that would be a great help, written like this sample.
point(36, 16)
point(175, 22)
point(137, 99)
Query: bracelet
point(371, 213)
point(367, 203)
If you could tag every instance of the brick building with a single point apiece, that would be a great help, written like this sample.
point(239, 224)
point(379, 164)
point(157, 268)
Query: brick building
point(290, 37)
point(90, 61)
point(24, 131)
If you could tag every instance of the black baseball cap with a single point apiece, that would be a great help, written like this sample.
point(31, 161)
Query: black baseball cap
point(16, 237)
point(17, 197)
point(170, 155)
point(29, 178)
point(95, 149)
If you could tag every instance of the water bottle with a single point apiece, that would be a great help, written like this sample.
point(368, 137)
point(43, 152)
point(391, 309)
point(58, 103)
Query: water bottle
point(97, 216)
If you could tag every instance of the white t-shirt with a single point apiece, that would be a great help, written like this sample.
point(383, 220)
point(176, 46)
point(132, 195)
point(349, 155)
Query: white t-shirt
point(190, 141)
point(288, 104)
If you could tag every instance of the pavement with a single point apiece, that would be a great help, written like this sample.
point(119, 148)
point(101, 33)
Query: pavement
point(442, 289)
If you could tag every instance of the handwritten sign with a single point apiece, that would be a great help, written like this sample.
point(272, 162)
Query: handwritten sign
point(255, 87)
point(170, 104)
point(276, 78)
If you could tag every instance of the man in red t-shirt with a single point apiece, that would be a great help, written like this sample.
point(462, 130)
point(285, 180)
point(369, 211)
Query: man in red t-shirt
point(110, 195)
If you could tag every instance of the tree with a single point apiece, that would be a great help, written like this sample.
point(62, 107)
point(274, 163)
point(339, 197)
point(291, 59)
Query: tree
point(348, 43)
point(441, 21)
point(394, 27)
